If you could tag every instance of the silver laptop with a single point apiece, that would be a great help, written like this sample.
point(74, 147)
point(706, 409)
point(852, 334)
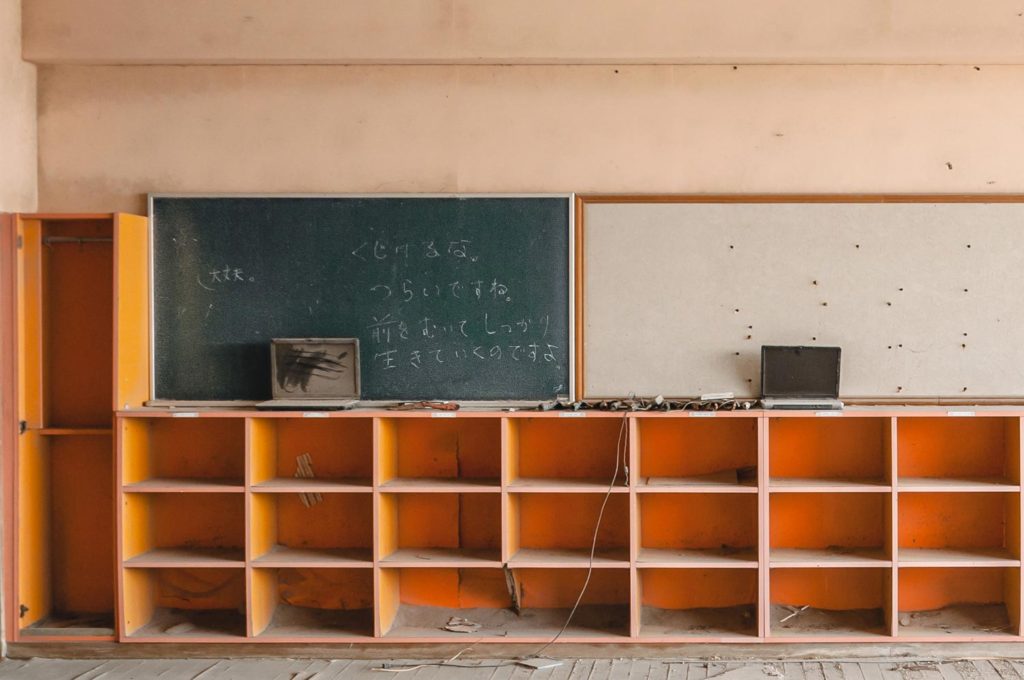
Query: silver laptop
point(800, 378)
point(313, 374)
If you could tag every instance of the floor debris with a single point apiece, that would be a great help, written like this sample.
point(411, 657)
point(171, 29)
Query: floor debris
point(540, 663)
point(457, 624)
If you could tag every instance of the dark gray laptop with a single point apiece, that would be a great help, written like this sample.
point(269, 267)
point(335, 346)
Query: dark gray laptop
point(800, 377)
point(311, 374)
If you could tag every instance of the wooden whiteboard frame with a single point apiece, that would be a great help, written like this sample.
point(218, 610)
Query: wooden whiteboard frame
point(582, 200)
point(571, 264)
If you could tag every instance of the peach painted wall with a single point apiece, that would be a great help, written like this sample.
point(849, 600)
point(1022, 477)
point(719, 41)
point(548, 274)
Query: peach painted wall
point(110, 134)
point(525, 31)
point(17, 116)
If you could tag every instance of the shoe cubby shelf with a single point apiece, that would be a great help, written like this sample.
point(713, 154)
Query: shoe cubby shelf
point(743, 526)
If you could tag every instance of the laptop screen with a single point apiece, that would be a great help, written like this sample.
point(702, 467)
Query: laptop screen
point(800, 372)
point(315, 368)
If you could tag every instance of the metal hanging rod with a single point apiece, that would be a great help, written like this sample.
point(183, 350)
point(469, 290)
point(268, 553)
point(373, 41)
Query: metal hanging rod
point(50, 240)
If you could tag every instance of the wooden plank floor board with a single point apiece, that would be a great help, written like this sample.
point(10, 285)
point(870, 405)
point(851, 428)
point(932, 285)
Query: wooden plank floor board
point(1005, 669)
point(948, 672)
point(793, 671)
point(814, 671)
point(571, 669)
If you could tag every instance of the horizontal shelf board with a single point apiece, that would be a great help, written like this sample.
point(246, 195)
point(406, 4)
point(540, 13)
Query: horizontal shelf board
point(703, 484)
point(948, 484)
point(569, 557)
point(441, 557)
point(794, 622)
point(679, 557)
point(589, 622)
point(990, 620)
point(442, 485)
point(956, 557)
point(197, 625)
point(699, 623)
point(75, 431)
point(829, 485)
point(284, 556)
point(188, 557)
point(296, 485)
point(564, 485)
point(321, 625)
point(71, 626)
point(186, 486)
point(833, 635)
point(839, 557)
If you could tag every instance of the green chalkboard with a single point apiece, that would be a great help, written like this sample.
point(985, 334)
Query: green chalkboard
point(463, 298)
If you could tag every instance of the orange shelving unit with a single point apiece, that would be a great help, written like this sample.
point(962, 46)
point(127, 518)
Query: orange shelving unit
point(203, 525)
point(741, 526)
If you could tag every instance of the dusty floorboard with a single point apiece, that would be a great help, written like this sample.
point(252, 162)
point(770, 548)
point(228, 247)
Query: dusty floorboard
point(485, 669)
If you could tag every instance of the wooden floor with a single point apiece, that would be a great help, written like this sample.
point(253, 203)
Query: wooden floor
point(573, 669)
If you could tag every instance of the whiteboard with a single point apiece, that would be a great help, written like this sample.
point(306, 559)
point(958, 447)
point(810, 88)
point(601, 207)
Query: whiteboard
point(925, 299)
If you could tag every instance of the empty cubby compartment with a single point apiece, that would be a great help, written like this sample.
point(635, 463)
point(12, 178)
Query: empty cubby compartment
point(959, 449)
point(851, 449)
point(519, 604)
point(311, 529)
point(461, 450)
point(946, 529)
point(163, 529)
point(312, 602)
point(426, 529)
point(568, 450)
point(698, 452)
point(183, 450)
point(844, 529)
point(708, 529)
point(181, 605)
point(559, 528)
point(705, 603)
point(291, 453)
point(829, 602)
point(961, 601)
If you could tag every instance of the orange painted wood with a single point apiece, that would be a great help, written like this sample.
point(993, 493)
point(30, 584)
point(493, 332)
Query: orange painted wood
point(131, 287)
point(959, 448)
point(832, 589)
point(698, 588)
point(9, 400)
point(828, 448)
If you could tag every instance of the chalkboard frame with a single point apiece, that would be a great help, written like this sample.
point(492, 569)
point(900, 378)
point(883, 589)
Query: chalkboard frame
point(571, 232)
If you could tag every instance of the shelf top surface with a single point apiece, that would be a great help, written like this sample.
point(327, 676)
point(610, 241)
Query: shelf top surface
point(517, 410)
point(188, 557)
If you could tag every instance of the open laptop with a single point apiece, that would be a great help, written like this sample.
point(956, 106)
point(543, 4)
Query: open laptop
point(800, 378)
point(313, 374)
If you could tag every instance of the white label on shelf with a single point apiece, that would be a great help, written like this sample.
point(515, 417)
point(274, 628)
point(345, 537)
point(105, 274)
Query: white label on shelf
point(572, 414)
point(828, 414)
point(961, 414)
point(314, 414)
point(702, 414)
point(443, 414)
point(188, 414)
